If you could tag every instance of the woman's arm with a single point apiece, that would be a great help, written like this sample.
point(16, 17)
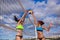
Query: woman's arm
point(47, 28)
point(35, 21)
point(23, 18)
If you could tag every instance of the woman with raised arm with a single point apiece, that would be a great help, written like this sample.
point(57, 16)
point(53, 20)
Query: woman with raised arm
point(19, 35)
point(40, 27)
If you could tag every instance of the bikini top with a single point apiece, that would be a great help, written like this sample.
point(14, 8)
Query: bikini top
point(20, 26)
point(39, 28)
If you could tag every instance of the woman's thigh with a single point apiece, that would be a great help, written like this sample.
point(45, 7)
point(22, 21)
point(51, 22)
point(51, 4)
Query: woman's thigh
point(43, 38)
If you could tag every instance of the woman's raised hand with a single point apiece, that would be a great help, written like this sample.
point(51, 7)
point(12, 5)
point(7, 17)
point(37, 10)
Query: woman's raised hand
point(51, 24)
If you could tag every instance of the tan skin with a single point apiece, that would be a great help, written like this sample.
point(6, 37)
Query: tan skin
point(39, 33)
point(21, 21)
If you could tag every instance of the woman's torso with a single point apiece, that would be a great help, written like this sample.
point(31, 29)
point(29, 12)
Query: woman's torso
point(39, 28)
point(39, 31)
point(20, 26)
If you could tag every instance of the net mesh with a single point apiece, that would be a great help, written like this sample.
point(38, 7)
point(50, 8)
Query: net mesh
point(7, 32)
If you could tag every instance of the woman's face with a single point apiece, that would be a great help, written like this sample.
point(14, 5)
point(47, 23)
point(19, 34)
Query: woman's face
point(39, 24)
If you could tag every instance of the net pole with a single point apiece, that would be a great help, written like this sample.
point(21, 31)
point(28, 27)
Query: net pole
point(35, 28)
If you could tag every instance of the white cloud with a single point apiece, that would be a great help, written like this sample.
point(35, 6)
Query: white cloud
point(27, 21)
point(8, 7)
point(30, 26)
point(8, 19)
point(13, 14)
point(55, 21)
point(50, 8)
point(1, 17)
point(39, 11)
point(7, 24)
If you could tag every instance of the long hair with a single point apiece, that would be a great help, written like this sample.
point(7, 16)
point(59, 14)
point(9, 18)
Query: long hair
point(16, 19)
point(41, 22)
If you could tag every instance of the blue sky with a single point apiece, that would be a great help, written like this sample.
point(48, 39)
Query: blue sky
point(47, 10)
point(40, 1)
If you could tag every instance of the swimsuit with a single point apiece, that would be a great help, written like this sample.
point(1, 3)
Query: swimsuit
point(20, 36)
point(39, 29)
point(20, 27)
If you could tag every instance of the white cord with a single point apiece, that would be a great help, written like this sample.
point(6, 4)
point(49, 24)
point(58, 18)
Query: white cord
point(35, 28)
